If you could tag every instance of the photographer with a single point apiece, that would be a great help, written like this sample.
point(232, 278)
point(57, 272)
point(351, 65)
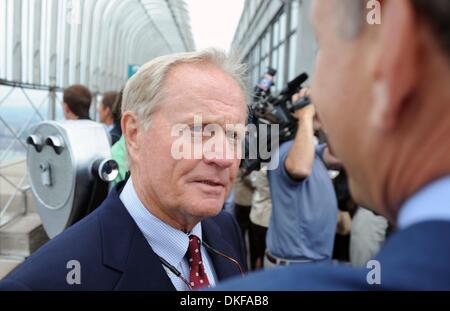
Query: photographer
point(304, 214)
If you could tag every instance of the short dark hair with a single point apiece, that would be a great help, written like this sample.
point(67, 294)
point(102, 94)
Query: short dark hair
point(78, 98)
point(437, 14)
point(117, 108)
point(109, 98)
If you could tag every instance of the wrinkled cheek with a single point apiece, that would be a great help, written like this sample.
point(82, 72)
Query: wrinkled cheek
point(234, 170)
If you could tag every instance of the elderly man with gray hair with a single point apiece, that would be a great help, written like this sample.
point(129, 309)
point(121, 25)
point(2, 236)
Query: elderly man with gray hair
point(163, 228)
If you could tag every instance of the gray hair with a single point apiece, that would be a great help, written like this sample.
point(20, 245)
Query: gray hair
point(145, 89)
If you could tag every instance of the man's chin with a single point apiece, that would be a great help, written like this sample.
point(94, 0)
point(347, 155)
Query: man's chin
point(207, 207)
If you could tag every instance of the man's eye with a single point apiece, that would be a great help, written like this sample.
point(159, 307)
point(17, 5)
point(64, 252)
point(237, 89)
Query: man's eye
point(232, 136)
point(197, 129)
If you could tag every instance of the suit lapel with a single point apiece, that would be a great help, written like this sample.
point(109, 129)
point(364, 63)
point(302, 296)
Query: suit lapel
point(126, 250)
point(223, 267)
point(144, 270)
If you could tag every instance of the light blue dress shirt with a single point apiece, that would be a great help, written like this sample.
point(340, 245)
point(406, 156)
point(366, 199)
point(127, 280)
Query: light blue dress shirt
point(429, 204)
point(167, 242)
point(304, 214)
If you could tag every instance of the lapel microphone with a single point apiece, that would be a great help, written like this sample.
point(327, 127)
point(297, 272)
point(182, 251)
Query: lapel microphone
point(174, 271)
point(209, 248)
point(234, 261)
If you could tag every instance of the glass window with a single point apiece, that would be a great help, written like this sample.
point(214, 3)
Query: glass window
point(261, 48)
point(292, 56)
point(255, 75)
point(3, 31)
point(276, 33)
point(265, 45)
point(281, 64)
point(251, 6)
point(264, 64)
point(283, 26)
point(258, 52)
point(255, 55)
point(294, 15)
point(274, 63)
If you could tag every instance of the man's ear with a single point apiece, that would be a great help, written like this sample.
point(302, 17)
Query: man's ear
point(396, 63)
point(130, 131)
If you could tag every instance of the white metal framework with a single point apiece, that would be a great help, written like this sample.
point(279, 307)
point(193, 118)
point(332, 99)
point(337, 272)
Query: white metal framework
point(92, 42)
point(46, 45)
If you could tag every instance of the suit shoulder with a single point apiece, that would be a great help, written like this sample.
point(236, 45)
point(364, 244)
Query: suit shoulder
point(304, 277)
point(49, 264)
point(226, 222)
point(13, 285)
point(223, 217)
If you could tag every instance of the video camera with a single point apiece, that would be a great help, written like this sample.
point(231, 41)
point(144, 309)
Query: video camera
point(269, 110)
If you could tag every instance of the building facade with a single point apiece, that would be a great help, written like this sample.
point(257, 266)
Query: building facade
point(278, 34)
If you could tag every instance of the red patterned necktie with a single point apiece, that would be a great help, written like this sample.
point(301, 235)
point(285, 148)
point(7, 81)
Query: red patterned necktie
point(197, 274)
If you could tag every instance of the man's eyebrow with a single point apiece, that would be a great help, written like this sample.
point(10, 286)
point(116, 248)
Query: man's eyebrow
point(204, 118)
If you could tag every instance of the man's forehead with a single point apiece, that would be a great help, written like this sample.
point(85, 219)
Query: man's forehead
point(196, 73)
point(200, 79)
point(210, 109)
point(206, 88)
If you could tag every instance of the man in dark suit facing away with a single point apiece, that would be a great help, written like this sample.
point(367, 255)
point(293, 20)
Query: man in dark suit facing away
point(382, 92)
point(163, 228)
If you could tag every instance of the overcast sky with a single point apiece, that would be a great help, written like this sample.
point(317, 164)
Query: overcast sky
point(214, 21)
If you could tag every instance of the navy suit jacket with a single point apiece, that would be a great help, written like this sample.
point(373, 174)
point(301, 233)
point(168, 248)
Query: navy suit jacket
point(417, 258)
point(114, 255)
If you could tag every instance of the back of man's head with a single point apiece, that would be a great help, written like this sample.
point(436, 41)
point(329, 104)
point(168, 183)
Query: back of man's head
point(78, 100)
point(117, 108)
point(384, 103)
point(109, 98)
point(436, 13)
point(106, 107)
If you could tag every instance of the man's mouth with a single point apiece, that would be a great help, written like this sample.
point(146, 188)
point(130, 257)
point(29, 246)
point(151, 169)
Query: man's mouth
point(210, 186)
point(211, 183)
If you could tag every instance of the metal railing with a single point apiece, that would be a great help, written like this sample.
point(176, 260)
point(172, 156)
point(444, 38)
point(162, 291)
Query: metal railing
point(12, 142)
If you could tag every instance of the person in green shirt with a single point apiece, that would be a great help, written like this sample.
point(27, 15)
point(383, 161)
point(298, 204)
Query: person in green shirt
point(118, 150)
point(119, 154)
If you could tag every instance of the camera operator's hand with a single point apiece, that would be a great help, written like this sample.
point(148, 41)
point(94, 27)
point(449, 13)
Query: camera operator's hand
point(306, 91)
point(307, 112)
point(299, 161)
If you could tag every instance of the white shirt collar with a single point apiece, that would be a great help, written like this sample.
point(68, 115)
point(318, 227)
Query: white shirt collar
point(166, 241)
point(429, 204)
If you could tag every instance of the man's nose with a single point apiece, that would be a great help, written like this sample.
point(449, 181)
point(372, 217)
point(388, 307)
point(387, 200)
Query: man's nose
point(221, 153)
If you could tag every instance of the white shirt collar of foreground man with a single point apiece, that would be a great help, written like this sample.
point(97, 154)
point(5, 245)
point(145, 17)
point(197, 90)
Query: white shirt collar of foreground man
point(431, 203)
